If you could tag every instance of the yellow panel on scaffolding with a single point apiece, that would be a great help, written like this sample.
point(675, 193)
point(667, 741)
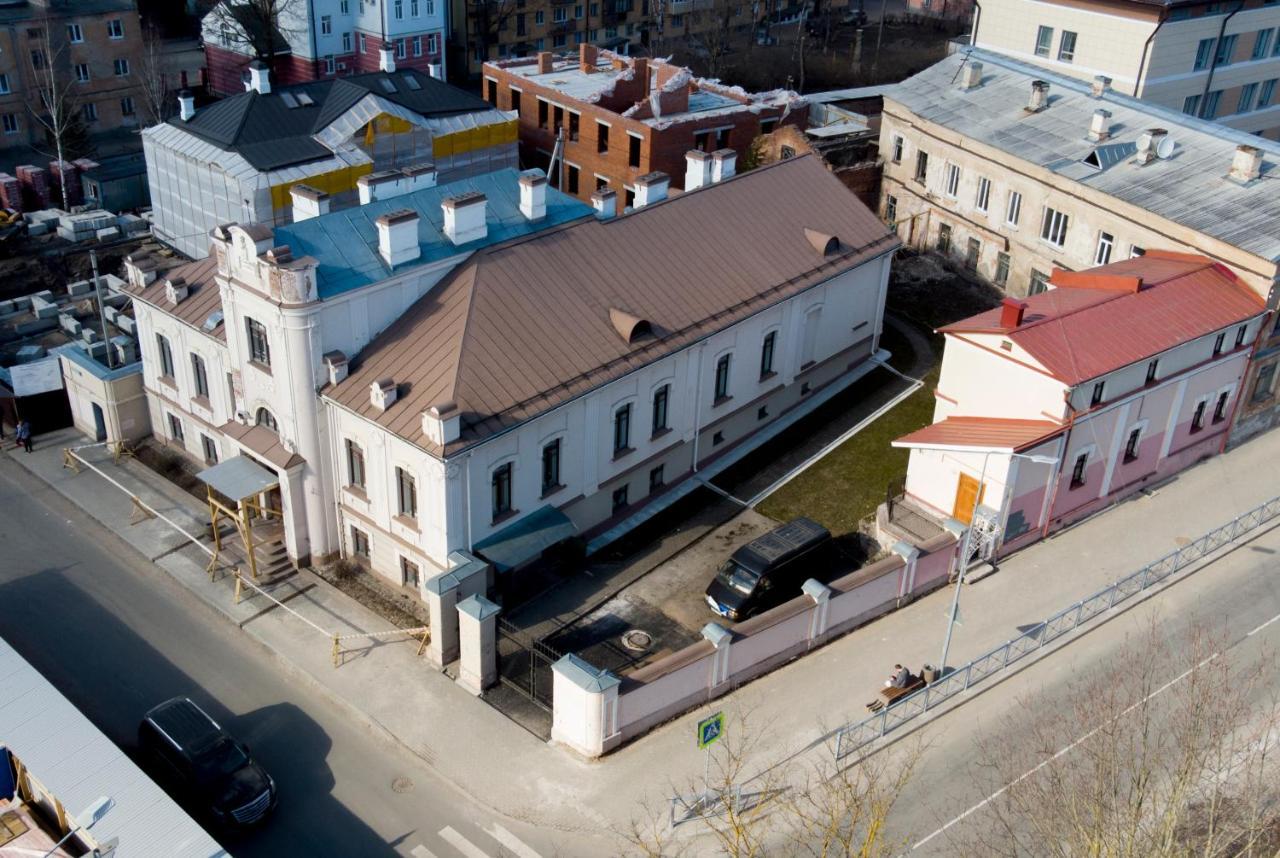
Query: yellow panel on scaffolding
point(333, 182)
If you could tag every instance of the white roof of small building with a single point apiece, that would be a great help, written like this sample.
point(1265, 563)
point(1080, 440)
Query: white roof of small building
point(1190, 188)
point(78, 765)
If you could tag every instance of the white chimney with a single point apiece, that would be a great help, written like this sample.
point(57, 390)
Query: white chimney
point(1101, 85)
point(1148, 142)
point(398, 237)
point(442, 423)
point(308, 202)
point(464, 217)
point(723, 163)
point(186, 105)
point(336, 364)
point(1039, 96)
point(697, 169)
point(382, 394)
point(971, 77)
point(533, 194)
point(176, 290)
point(388, 184)
point(1246, 164)
point(387, 60)
point(605, 202)
point(435, 70)
point(651, 188)
point(1100, 126)
point(259, 78)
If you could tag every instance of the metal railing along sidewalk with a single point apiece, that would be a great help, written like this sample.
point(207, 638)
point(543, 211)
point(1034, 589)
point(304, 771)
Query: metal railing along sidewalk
point(858, 735)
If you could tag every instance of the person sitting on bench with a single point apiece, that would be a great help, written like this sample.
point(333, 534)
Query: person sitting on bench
point(900, 678)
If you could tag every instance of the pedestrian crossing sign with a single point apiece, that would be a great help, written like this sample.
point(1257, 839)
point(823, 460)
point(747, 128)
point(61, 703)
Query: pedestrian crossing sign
point(710, 730)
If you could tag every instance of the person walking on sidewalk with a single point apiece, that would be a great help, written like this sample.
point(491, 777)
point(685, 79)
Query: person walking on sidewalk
point(24, 435)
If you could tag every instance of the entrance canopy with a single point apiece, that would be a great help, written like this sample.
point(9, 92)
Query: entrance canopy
point(238, 478)
point(526, 539)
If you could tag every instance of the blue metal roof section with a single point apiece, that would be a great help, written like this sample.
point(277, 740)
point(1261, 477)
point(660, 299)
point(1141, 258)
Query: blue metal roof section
point(345, 242)
point(77, 356)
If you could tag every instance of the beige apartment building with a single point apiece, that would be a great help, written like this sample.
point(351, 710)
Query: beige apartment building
point(96, 45)
point(1217, 61)
point(1014, 172)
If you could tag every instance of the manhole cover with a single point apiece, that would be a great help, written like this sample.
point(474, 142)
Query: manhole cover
point(402, 785)
point(637, 640)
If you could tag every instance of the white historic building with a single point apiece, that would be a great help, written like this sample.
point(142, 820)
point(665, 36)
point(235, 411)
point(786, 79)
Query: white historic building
point(491, 366)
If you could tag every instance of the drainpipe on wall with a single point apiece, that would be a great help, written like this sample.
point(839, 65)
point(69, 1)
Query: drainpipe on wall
point(1213, 62)
point(977, 16)
point(1244, 378)
point(697, 406)
point(1146, 46)
point(1062, 466)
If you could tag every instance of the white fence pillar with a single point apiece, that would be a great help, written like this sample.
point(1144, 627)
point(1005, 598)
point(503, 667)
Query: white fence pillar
point(910, 556)
point(442, 602)
point(477, 637)
point(584, 713)
point(821, 595)
point(720, 638)
point(957, 529)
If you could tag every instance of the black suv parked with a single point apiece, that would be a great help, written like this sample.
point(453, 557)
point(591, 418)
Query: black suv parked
point(206, 762)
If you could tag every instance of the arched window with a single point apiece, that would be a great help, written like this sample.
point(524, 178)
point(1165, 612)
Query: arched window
point(266, 418)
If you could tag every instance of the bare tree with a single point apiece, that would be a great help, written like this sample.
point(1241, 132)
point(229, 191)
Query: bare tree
point(487, 19)
point(153, 82)
point(259, 27)
point(1164, 753)
point(56, 104)
point(716, 37)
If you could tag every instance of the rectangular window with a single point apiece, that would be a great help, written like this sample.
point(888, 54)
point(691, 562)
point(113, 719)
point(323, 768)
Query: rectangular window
point(1152, 369)
point(602, 137)
point(544, 110)
point(1044, 41)
point(1039, 282)
point(210, 448)
point(1002, 269)
point(897, 148)
point(355, 465)
point(1197, 416)
point(622, 429)
point(166, 356)
point(656, 479)
point(1106, 242)
point(766, 354)
point(37, 59)
point(346, 42)
point(1204, 53)
point(326, 25)
point(1191, 105)
point(82, 72)
point(491, 92)
point(417, 46)
point(330, 66)
point(661, 400)
point(633, 152)
point(983, 201)
point(619, 499)
point(1267, 92)
point(400, 52)
point(1067, 47)
point(4, 84)
point(551, 467)
point(410, 574)
point(1220, 407)
point(953, 180)
point(922, 167)
point(364, 44)
point(259, 348)
point(414, 9)
point(1211, 103)
point(515, 100)
point(559, 15)
point(74, 34)
point(1053, 228)
point(501, 485)
point(359, 543)
point(1099, 390)
point(1135, 251)
point(115, 29)
point(198, 376)
point(1217, 343)
point(722, 378)
point(1131, 446)
point(572, 176)
point(574, 122)
point(1078, 472)
point(944, 238)
point(1240, 335)
point(1247, 94)
point(1013, 210)
point(891, 210)
point(1226, 50)
point(398, 6)
point(175, 427)
point(10, 122)
point(126, 106)
point(1262, 383)
point(972, 253)
point(122, 67)
point(1262, 43)
point(406, 493)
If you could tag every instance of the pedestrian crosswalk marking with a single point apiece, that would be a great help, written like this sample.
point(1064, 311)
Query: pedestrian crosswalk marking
point(462, 844)
point(421, 851)
point(513, 843)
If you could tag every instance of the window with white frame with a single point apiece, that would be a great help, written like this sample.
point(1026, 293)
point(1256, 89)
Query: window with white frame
point(329, 65)
point(1106, 242)
point(75, 35)
point(1067, 47)
point(1220, 406)
point(413, 8)
point(166, 356)
point(983, 200)
point(398, 9)
point(175, 427)
point(346, 42)
point(1053, 228)
point(4, 84)
point(1013, 210)
point(953, 179)
point(259, 346)
point(891, 210)
point(210, 448)
point(355, 465)
point(126, 106)
point(400, 50)
point(406, 493)
point(122, 67)
point(199, 377)
point(417, 46)
point(326, 25)
point(115, 29)
point(82, 72)
point(722, 378)
point(622, 430)
point(433, 44)
point(898, 144)
point(1044, 41)
point(10, 123)
point(359, 543)
point(1204, 52)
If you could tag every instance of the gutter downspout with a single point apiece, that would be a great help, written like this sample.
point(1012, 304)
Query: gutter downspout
point(1213, 63)
point(1061, 469)
point(697, 406)
point(977, 16)
point(311, 32)
point(1146, 46)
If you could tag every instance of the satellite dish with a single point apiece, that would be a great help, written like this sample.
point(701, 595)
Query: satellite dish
point(1164, 148)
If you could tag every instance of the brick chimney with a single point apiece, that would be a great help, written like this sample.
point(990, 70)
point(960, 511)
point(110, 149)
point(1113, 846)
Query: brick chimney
point(464, 217)
point(588, 55)
point(1011, 312)
point(546, 62)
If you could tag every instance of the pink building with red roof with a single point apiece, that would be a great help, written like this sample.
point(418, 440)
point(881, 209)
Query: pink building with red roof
point(1051, 407)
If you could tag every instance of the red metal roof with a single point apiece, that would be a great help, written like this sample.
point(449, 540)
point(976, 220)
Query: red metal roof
point(982, 433)
point(1081, 332)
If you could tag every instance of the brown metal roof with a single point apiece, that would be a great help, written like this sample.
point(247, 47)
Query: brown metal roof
point(202, 299)
point(982, 433)
point(526, 326)
point(262, 442)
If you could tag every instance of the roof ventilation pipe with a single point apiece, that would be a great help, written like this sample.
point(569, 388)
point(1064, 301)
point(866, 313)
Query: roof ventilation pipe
point(383, 393)
point(723, 164)
point(464, 217)
point(1246, 164)
point(605, 202)
point(533, 194)
point(651, 188)
point(1039, 96)
point(259, 78)
point(971, 77)
point(387, 60)
point(1101, 85)
point(398, 237)
point(1011, 312)
point(1100, 126)
point(308, 202)
point(1149, 143)
point(186, 105)
point(336, 364)
point(697, 169)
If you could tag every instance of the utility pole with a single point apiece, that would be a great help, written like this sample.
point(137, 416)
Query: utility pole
point(102, 307)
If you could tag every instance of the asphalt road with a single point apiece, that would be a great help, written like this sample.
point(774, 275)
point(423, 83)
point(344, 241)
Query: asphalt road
point(116, 636)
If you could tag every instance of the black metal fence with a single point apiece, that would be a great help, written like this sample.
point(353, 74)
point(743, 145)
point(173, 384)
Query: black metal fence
point(524, 664)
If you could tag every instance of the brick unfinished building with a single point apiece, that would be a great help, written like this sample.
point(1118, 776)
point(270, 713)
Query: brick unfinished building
point(626, 117)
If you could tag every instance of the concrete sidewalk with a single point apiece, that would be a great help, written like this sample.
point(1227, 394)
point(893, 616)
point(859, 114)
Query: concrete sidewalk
point(510, 771)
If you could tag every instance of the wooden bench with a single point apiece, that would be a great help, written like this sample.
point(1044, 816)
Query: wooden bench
point(887, 696)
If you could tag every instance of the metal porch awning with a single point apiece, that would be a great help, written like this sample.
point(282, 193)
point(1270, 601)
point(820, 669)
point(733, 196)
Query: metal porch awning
point(238, 478)
point(526, 539)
